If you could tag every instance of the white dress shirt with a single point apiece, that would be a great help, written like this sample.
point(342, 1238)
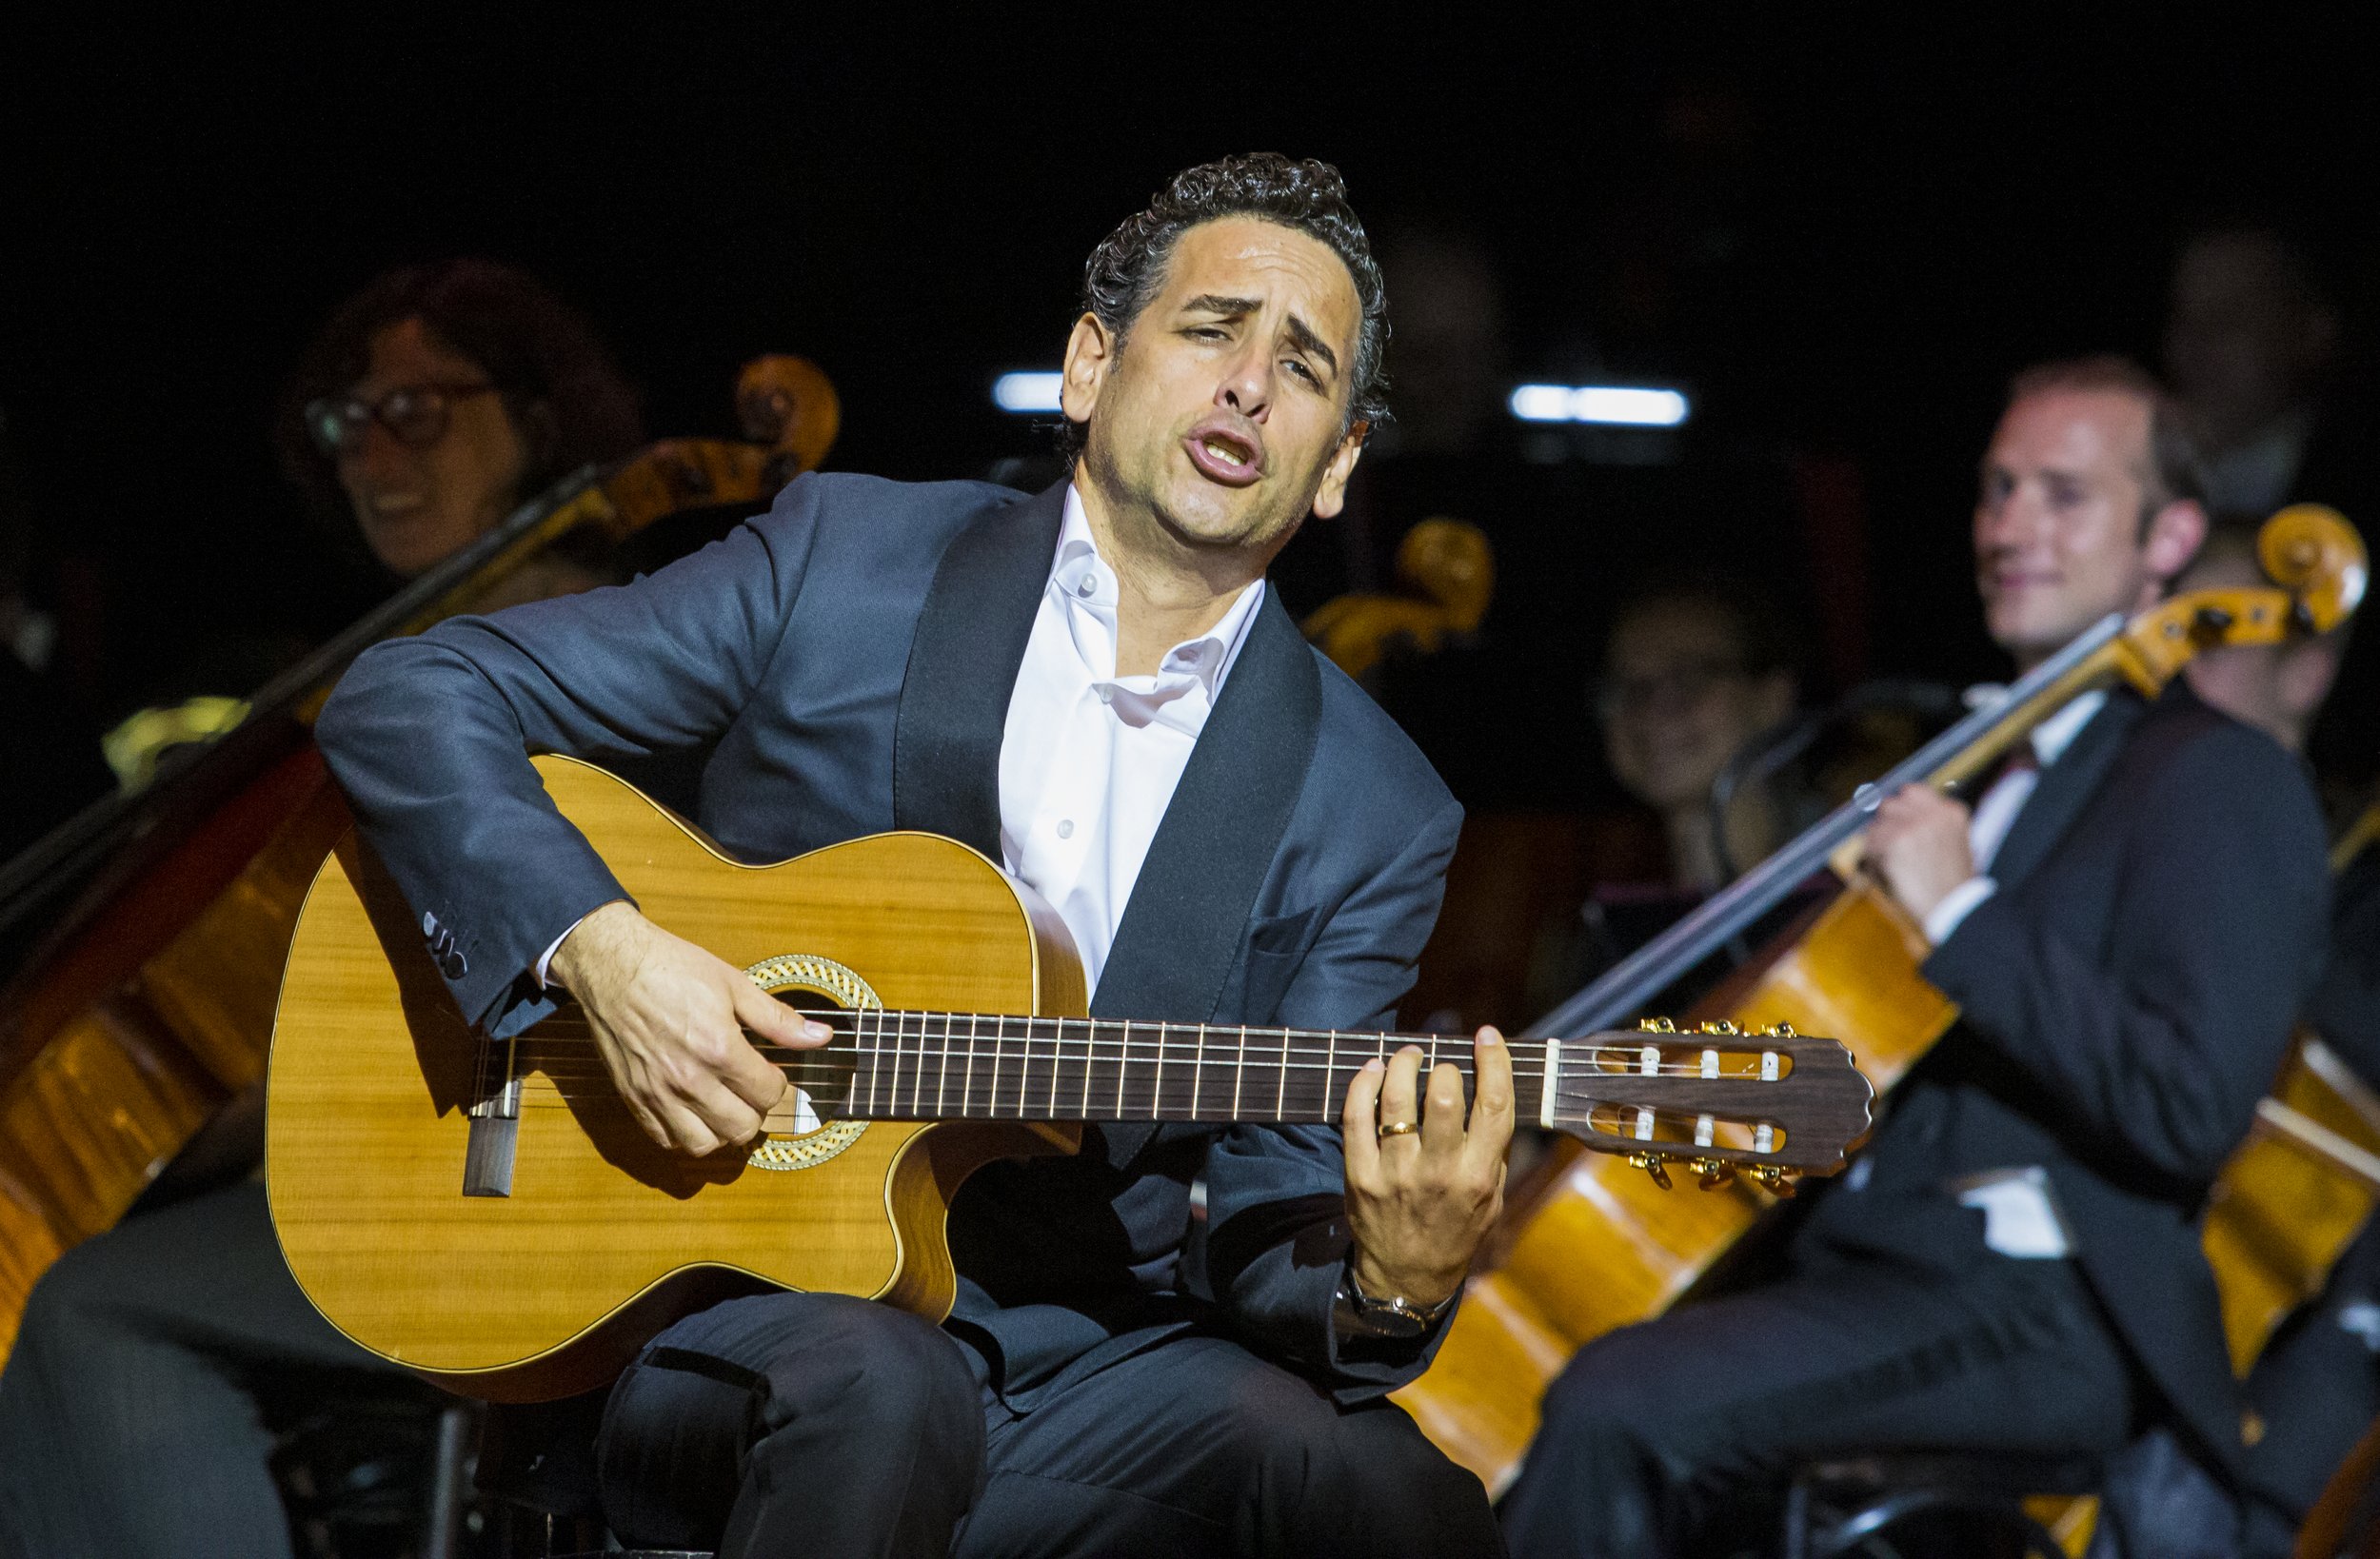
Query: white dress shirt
point(1996, 813)
point(1088, 759)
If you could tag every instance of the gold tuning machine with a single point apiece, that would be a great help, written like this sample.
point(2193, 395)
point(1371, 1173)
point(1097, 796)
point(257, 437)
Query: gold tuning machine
point(1714, 1171)
point(1720, 1026)
point(1776, 1181)
point(1651, 1163)
point(1656, 1025)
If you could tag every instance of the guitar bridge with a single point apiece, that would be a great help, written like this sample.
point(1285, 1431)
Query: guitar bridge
point(495, 1132)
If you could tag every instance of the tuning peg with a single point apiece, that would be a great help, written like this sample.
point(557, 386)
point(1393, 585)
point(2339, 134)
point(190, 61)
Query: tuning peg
point(1656, 1025)
point(1720, 1026)
point(1714, 1171)
point(1776, 1181)
point(1651, 1163)
point(1782, 1031)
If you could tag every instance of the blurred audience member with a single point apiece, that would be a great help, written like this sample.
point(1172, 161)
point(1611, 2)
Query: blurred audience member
point(139, 1408)
point(1695, 673)
point(2250, 334)
point(2253, 340)
point(1692, 675)
point(49, 762)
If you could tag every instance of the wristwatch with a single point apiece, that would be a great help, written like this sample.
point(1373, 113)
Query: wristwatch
point(1358, 1314)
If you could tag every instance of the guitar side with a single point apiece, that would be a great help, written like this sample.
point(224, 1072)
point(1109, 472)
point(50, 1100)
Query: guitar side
point(603, 1238)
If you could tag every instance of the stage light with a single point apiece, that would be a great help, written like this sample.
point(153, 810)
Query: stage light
point(1610, 405)
point(1026, 391)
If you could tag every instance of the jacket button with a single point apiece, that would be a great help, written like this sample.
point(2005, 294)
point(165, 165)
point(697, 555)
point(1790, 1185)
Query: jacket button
point(453, 965)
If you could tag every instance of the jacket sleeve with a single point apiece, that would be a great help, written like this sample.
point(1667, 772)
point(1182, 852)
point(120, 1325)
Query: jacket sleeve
point(1278, 1234)
point(2160, 1044)
point(430, 739)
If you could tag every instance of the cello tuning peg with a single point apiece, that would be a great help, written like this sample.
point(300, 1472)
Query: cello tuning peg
point(1651, 1163)
point(1656, 1025)
point(1776, 1182)
point(1714, 1171)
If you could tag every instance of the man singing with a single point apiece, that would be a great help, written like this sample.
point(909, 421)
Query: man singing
point(2129, 917)
point(1093, 687)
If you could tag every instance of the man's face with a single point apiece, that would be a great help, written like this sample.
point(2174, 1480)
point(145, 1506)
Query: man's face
point(2058, 521)
point(419, 505)
point(1221, 415)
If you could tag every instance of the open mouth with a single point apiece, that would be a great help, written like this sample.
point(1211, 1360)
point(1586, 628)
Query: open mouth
point(1226, 455)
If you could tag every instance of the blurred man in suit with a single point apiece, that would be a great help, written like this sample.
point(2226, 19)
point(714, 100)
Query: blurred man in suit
point(2129, 918)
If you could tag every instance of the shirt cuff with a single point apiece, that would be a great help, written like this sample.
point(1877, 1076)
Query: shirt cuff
point(555, 946)
point(1945, 917)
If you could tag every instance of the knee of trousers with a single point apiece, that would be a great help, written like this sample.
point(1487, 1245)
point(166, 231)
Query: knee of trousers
point(68, 1317)
point(755, 1365)
point(1610, 1400)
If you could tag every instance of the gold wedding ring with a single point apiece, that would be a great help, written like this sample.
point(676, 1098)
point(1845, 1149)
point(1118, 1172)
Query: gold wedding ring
point(1397, 1127)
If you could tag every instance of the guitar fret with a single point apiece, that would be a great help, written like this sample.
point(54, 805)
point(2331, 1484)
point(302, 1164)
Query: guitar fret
point(1239, 1072)
point(1057, 1065)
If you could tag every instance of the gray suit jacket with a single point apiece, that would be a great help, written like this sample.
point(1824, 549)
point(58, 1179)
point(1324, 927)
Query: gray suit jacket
point(841, 667)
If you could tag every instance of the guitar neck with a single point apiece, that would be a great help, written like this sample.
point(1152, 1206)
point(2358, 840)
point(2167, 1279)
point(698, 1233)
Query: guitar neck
point(977, 1066)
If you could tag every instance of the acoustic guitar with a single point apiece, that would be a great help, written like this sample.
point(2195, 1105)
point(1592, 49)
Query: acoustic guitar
point(487, 1213)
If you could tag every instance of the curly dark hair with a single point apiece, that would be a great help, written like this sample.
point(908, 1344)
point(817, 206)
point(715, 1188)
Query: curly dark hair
point(1125, 272)
point(566, 397)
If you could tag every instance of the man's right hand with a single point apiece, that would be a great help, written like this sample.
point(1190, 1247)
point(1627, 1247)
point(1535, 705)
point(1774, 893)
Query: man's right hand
point(671, 1021)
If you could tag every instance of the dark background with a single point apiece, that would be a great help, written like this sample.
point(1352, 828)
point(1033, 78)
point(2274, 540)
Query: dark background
point(1878, 220)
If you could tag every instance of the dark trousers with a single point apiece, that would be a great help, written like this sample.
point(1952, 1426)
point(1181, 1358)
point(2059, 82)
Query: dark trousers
point(133, 1410)
point(817, 1426)
point(1655, 1434)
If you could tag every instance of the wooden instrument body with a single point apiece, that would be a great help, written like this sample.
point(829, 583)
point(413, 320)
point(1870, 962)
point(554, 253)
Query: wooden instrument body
point(1595, 1245)
point(372, 1072)
point(148, 1004)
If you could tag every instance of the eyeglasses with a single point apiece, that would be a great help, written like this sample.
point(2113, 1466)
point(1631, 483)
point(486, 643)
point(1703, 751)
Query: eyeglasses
point(1682, 686)
point(415, 416)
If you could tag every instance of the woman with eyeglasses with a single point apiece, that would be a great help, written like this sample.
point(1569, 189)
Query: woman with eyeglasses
point(159, 1363)
point(439, 398)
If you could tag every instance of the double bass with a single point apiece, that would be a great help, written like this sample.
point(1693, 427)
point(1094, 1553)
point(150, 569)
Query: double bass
point(1587, 1246)
point(144, 939)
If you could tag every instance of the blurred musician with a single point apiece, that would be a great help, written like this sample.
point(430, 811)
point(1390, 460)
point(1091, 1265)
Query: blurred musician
point(2316, 1387)
point(1694, 671)
point(138, 1409)
point(2130, 918)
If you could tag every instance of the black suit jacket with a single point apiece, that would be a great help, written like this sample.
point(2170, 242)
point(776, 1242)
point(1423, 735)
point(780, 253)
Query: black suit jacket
point(845, 662)
point(2126, 996)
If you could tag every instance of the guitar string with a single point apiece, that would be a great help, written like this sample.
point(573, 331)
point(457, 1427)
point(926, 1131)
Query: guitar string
point(1216, 1053)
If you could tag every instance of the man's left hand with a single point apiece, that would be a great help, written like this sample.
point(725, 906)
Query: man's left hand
point(1419, 1202)
point(1918, 847)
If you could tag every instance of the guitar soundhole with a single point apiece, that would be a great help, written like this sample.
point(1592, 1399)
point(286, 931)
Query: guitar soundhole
point(805, 1129)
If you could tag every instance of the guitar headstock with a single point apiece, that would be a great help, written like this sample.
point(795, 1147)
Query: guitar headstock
point(1770, 1103)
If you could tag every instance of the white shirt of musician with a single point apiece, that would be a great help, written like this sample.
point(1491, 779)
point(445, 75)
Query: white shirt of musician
point(2020, 1214)
point(1089, 761)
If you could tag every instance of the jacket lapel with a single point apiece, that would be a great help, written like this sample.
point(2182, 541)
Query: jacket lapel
point(963, 666)
point(2064, 786)
point(1188, 914)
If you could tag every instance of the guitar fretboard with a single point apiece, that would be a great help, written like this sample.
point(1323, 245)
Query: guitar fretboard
point(976, 1066)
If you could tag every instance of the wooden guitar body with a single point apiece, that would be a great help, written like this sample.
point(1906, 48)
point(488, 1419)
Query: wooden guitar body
point(373, 1073)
